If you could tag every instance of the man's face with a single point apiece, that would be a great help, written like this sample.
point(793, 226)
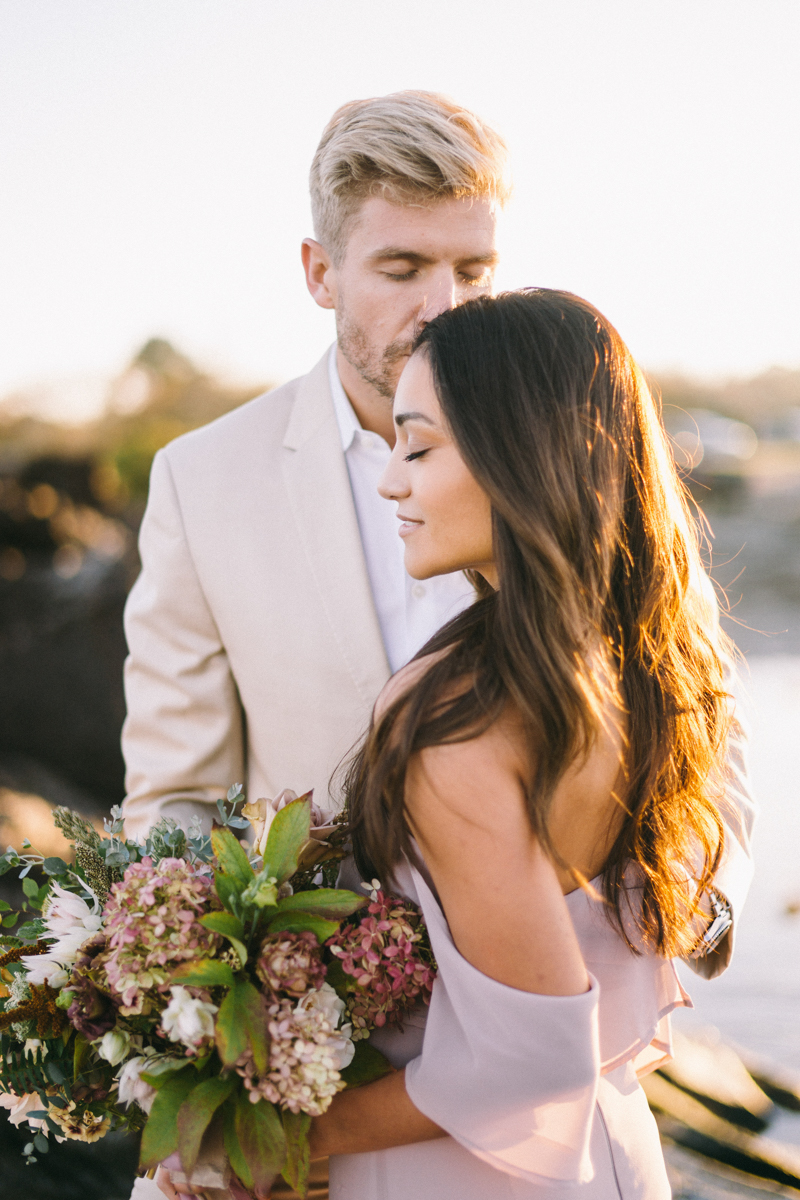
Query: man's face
point(405, 264)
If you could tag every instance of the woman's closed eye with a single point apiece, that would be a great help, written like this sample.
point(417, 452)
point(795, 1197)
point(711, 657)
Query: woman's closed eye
point(416, 454)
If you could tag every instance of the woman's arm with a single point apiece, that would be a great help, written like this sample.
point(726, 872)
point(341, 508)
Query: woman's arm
point(499, 891)
point(374, 1117)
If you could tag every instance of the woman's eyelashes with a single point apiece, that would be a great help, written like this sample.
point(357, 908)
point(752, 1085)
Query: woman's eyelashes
point(415, 454)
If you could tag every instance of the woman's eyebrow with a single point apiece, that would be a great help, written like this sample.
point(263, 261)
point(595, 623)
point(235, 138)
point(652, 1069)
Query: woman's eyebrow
point(401, 418)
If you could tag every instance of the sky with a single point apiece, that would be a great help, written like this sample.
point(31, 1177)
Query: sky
point(154, 159)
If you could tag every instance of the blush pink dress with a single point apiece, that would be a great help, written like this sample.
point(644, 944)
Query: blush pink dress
point(539, 1094)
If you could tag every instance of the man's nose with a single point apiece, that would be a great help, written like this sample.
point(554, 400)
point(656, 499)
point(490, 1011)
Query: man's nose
point(441, 296)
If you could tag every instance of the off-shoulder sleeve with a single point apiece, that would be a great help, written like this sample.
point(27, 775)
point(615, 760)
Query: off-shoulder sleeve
point(510, 1075)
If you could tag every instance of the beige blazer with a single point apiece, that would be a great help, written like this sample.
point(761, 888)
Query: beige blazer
point(255, 653)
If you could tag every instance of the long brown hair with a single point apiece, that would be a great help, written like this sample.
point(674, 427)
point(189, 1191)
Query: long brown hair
point(594, 545)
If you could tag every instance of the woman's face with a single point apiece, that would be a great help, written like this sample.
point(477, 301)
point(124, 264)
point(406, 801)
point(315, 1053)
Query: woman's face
point(445, 515)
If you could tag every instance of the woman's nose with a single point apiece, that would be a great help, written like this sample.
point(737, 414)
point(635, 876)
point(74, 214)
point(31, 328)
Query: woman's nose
point(392, 485)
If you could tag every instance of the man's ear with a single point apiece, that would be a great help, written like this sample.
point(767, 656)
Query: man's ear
point(320, 273)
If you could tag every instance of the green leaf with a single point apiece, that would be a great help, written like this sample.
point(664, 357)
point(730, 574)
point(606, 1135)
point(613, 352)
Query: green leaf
point(288, 833)
point(5, 906)
point(228, 889)
point(232, 859)
point(160, 1134)
point(80, 1053)
point(195, 1114)
point(262, 1141)
point(161, 1069)
point(30, 887)
point(55, 1072)
point(295, 1172)
point(223, 922)
point(230, 927)
point(324, 902)
point(54, 866)
point(41, 1143)
point(232, 1148)
point(368, 1065)
point(32, 929)
point(204, 972)
point(242, 1022)
point(10, 919)
point(302, 922)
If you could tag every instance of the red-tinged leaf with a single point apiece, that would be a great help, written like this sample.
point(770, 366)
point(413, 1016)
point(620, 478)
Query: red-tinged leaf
point(204, 972)
point(303, 922)
point(295, 1171)
point(288, 833)
point(242, 1022)
point(160, 1134)
point(332, 903)
point(233, 1150)
point(230, 855)
point(260, 1134)
point(195, 1115)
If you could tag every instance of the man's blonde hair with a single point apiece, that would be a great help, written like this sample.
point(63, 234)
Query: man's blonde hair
point(410, 147)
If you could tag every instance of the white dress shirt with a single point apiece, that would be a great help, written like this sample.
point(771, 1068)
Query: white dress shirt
point(409, 611)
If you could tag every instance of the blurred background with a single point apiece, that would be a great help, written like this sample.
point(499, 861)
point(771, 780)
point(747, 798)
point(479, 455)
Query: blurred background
point(153, 195)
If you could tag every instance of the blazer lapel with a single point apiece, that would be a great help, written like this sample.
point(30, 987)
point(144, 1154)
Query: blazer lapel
point(318, 487)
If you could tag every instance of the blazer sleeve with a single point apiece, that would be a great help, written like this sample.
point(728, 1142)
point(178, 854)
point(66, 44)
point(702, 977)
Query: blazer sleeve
point(183, 738)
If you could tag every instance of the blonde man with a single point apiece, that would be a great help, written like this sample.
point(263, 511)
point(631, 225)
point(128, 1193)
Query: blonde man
point(272, 604)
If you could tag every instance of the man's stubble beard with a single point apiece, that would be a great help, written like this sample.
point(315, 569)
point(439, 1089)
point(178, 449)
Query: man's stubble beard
point(376, 365)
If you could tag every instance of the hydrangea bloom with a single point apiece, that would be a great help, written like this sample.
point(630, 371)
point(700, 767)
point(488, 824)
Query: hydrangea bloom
point(151, 922)
point(92, 1012)
point(291, 963)
point(389, 961)
point(303, 1070)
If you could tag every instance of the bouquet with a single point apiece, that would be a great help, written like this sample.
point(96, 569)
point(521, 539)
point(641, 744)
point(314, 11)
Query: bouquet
point(215, 999)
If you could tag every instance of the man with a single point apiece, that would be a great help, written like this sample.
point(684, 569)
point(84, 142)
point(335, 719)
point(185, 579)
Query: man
point(273, 604)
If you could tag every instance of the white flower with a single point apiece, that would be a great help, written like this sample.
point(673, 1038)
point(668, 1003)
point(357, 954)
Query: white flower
point(325, 1000)
point(114, 1046)
point(71, 921)
point(66, 913)
point(20, 1106)
point(187, 1020)
point(131, 1087)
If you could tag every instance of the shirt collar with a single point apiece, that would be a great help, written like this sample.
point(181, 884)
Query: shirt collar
point(346, 418)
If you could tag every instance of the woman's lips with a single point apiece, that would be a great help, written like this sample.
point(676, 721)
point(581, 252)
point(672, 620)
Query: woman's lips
point(407, 525)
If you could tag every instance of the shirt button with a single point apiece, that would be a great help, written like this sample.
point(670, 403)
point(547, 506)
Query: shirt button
point(418, 591)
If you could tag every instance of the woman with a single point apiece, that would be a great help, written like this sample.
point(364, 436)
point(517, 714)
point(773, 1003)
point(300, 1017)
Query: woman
point(544, 777)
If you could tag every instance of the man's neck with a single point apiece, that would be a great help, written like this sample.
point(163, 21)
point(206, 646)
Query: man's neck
point(374, 411)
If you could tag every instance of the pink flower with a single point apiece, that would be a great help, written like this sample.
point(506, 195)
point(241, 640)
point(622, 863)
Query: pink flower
point(290, 963)
point(304, 1055)
point(152, 925)
point(389, 961)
